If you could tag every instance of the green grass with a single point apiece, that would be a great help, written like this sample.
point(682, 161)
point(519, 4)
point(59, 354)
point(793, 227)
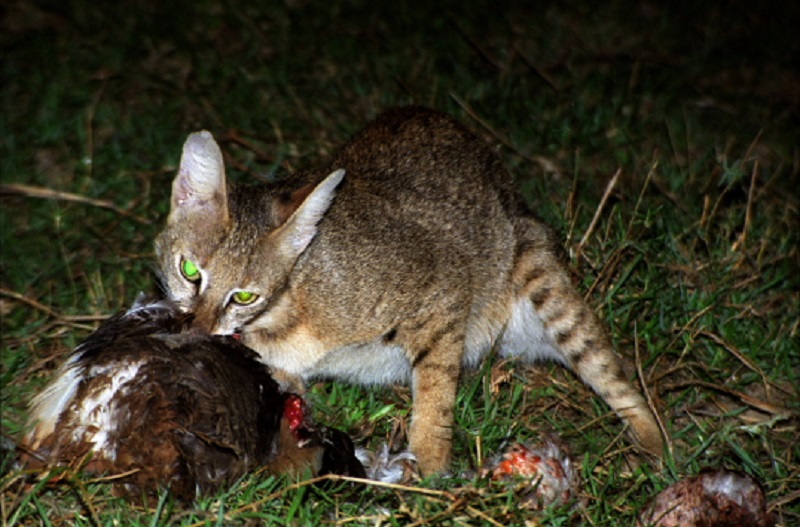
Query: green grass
point(693, 262)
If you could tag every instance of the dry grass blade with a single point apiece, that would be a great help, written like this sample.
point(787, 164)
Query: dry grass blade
point(646, 392)
point(738, 354)
point(30, 302)
point(477, 45)
point(67, 320)
point(483, 516)
point(480, 120)
point(749, 400)
point(84, 497)
point(784, 500)
point(610, 265)
point(748, 215)
point(548, 79)
point(114, 477)
point(722, 195)
point(433, 519)
point(233, 135)
point(689, 324)
point(597, 213)
point(639, 200)
point(335, 477)
point(546, 164)
point(31, 191)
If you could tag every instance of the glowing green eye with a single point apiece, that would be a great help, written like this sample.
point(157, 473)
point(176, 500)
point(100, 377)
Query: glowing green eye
point(190, 271)
point(244, 297)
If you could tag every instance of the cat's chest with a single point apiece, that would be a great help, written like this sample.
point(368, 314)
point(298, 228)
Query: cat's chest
point(304, 355)
point(370, 363)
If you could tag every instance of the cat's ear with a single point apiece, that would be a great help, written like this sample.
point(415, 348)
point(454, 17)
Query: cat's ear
point(199, 187)
point(302, 212)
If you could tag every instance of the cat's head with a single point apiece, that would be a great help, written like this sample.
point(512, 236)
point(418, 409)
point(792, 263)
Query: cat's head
point(226, 251)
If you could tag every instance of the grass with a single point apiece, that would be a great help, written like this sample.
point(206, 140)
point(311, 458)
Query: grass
point(692, 261)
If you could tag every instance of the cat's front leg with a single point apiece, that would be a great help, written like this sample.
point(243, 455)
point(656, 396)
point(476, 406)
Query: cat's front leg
point(288, 382)
point(431, 433)
point(436, 368)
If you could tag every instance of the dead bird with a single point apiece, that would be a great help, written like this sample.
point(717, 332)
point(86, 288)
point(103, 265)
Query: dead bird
point(714, 498)
point(544, 474)
point(168, 408)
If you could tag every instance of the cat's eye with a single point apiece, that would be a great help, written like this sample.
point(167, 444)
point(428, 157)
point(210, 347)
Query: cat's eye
point(244, 297)
point(190, 271)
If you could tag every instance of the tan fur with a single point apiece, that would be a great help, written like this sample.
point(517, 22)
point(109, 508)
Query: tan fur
point(417, 261)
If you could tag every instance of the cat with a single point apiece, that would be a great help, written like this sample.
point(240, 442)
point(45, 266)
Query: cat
point(409, 255)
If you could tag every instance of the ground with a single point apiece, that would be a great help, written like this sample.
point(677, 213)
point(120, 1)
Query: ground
point(661, 141)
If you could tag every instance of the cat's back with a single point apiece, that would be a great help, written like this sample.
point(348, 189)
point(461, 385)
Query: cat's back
point(410, 162)
point(413, 165)
point(422, 150)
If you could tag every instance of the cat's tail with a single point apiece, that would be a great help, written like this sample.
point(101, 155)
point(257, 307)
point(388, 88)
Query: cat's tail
point(551, 320)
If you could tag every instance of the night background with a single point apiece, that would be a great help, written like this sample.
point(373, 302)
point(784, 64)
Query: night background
point(692, 262)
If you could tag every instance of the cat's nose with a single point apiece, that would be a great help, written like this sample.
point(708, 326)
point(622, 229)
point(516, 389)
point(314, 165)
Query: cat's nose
point(204, 322)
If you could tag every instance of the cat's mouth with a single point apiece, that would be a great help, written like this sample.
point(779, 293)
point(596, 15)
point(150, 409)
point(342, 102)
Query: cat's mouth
point(236, 334)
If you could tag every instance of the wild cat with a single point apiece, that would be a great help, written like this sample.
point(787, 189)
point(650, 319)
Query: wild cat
point(408, 256)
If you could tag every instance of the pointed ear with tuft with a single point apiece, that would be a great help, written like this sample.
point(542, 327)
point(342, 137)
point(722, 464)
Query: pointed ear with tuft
point(199, 187)
point(303, 213)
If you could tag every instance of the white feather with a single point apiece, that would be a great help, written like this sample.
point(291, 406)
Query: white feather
point(48, 406)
